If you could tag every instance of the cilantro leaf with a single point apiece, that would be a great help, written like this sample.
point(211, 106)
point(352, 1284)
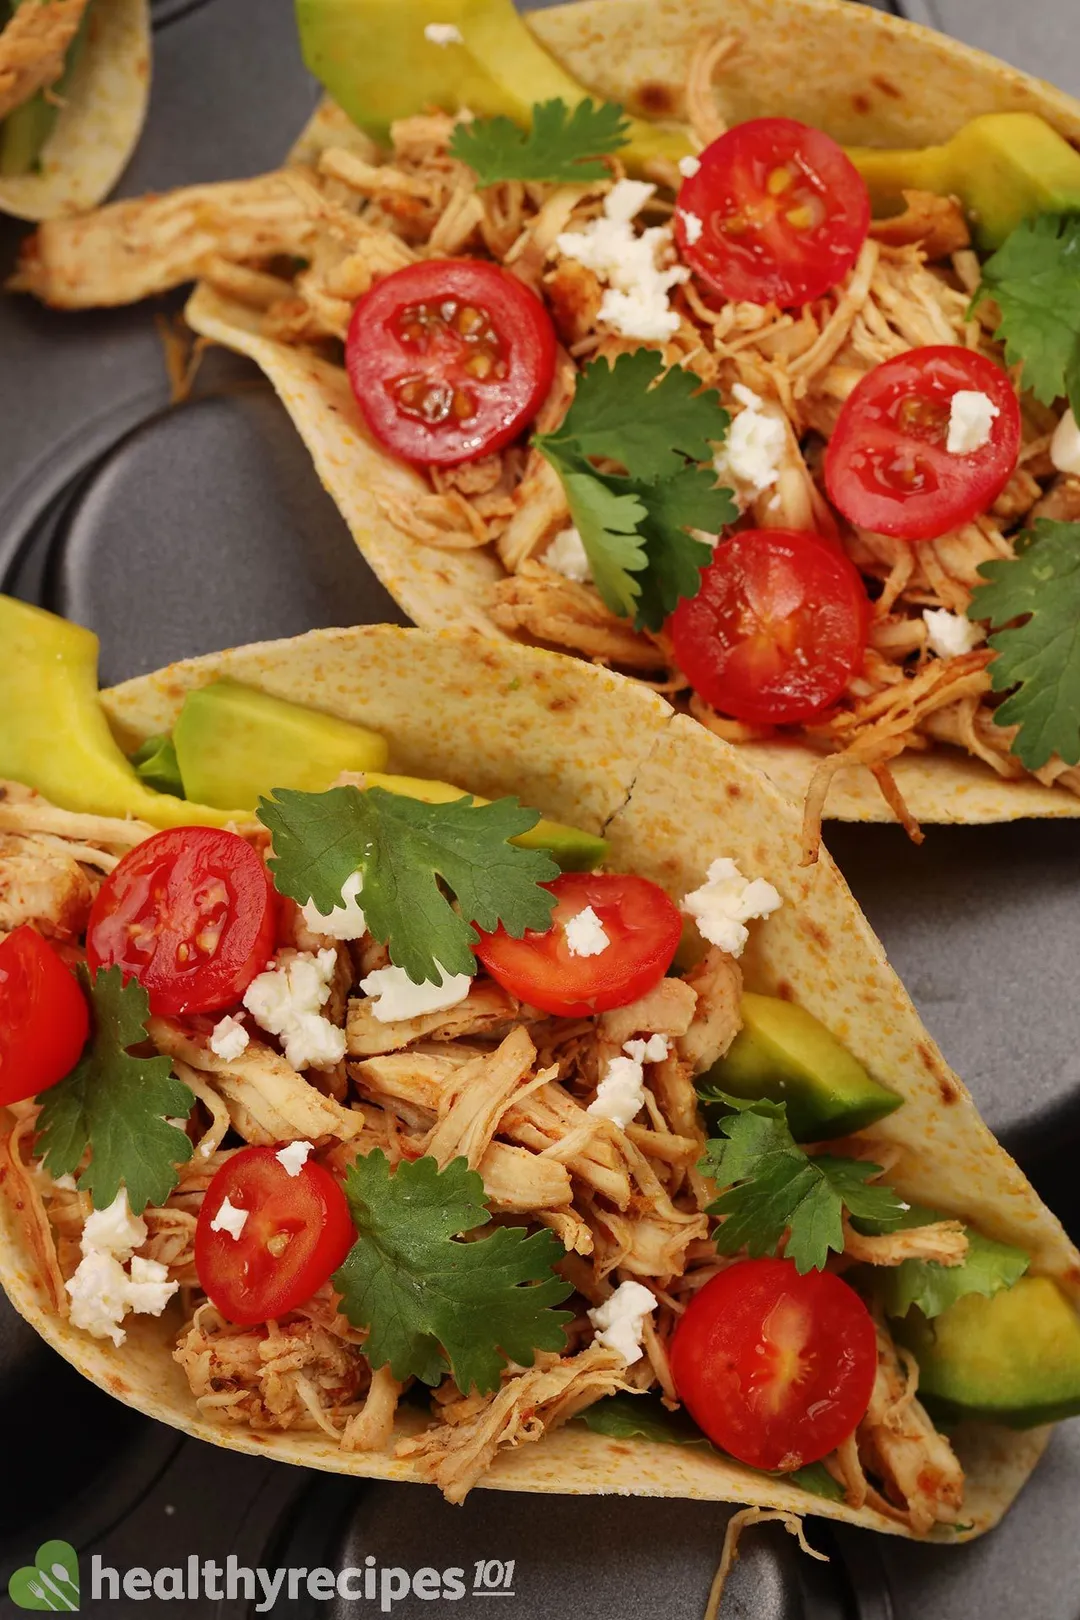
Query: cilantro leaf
point(659, 426)
point(774, 1187)
point(1034, 277)
point(987, 1269)
point(432, 1303)
point(117, 1105)
point(562, 146)
point(1038, 659)
point(404, 847)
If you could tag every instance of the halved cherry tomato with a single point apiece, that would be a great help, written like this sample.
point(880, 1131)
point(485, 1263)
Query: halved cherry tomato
point(642, 926)
point(44, 1019)
point(777, 1369)
point(777, 629)
point(191, 914)
point(887, 467)
point(783, 212)
point(449, 359)
point(298, 1230)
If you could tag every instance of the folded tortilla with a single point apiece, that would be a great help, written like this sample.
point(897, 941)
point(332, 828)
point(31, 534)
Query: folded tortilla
point(100, 122)
point(865, 76)
point(603, 752)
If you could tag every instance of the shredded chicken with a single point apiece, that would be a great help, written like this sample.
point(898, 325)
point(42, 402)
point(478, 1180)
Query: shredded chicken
point(900, 1446)
point(944, 1242)
point(743, 1520)
point(486, 1010)
point(34, 47)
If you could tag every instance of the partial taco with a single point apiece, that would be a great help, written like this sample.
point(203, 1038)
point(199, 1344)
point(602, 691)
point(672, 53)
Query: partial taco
point(74, 87)
point(561, 1134)
point(785, 430)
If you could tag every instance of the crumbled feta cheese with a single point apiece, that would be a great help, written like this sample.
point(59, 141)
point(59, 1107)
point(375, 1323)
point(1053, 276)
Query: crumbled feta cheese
point(752, 454)
point(585, 934)
point(294, 1156)
point(444, 34)
point(1065, 445)
point(149, 1289)
point(950, 635)
point(98, 1292)
point(567, 555)
point(345, 921)
point(229, 1219)
point(689, 166)
point(101, 1291)
point(636, 303)
point(228, 1039)
point(114, 1230)
point(620, 1096)
point(652, 1050)
point(726, 902)
point(971, 416)
point(620, 1320)
point(398, 998)
point(64, 1183)
point(692, 225)
point(286, 1001)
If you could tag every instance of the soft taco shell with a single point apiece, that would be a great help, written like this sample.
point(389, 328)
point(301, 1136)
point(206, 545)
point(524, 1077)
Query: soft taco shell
point(603, 752)
point(865, 76)
point(101, 120)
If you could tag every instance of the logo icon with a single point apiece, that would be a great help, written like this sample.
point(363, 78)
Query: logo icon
point(50, 1583)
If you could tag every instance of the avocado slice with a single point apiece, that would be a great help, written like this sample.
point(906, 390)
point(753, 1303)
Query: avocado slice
point(55, 736)
point(786, 1054)
point(25, 130)
point(374, 59)
point(234, 743)
point(1004, 167)
point(573, 849)
point(1012, 1359)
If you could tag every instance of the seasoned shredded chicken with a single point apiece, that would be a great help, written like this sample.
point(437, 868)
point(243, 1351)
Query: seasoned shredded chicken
point(33, 48)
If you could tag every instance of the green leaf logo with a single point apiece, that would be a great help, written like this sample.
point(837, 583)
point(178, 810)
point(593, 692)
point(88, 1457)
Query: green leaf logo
point(51, 1582)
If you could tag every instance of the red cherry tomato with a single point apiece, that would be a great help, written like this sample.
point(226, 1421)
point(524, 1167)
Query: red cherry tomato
point(298, 1230)
point(642, 926)
point(777, 629)
point(191, 914)
point(449, 359)
point(777, 1369)
point(783, 212)
point(44, 1018)
point(887, 467)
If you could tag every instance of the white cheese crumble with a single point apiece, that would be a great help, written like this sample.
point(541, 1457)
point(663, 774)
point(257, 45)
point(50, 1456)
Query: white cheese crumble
point(689, 166)
point(444, 34)
point(229, 1218)
point(620, 1096)
point(585, 934)
point(397, 998)
point(294, 1156)
point(286, 1001)
point(692, 225)
point(1065, 445)
point(726, 902)
point(636, 303)
point(102, 1292)
point(567, 555)
point(971, 417)
point(950, 635)
point(229, 1039)
point(753, 452)
point(345, 921)
point(620, 1320)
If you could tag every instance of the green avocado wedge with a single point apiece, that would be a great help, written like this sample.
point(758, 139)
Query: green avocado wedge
point(54, 735)
point(784, 1053)
point(1012, 1359)
point(374, 58)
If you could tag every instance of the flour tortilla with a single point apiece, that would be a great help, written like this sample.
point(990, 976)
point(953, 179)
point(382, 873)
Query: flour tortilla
point(865, 76)
point(100, 123)
point(601, 751)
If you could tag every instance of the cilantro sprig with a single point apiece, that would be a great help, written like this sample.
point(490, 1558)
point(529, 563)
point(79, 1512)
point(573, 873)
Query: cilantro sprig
point(1034, 277)
point(562, 147)
point(775, 1188)
point(413, 857)
point(634, 525)
point(988, 1268)
point(432, 1302)
point(1032, 602)
point(115, 1104)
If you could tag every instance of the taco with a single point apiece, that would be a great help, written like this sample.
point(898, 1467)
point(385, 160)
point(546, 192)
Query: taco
point(857, 626)
point(242, 1210)
point(74, 89)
